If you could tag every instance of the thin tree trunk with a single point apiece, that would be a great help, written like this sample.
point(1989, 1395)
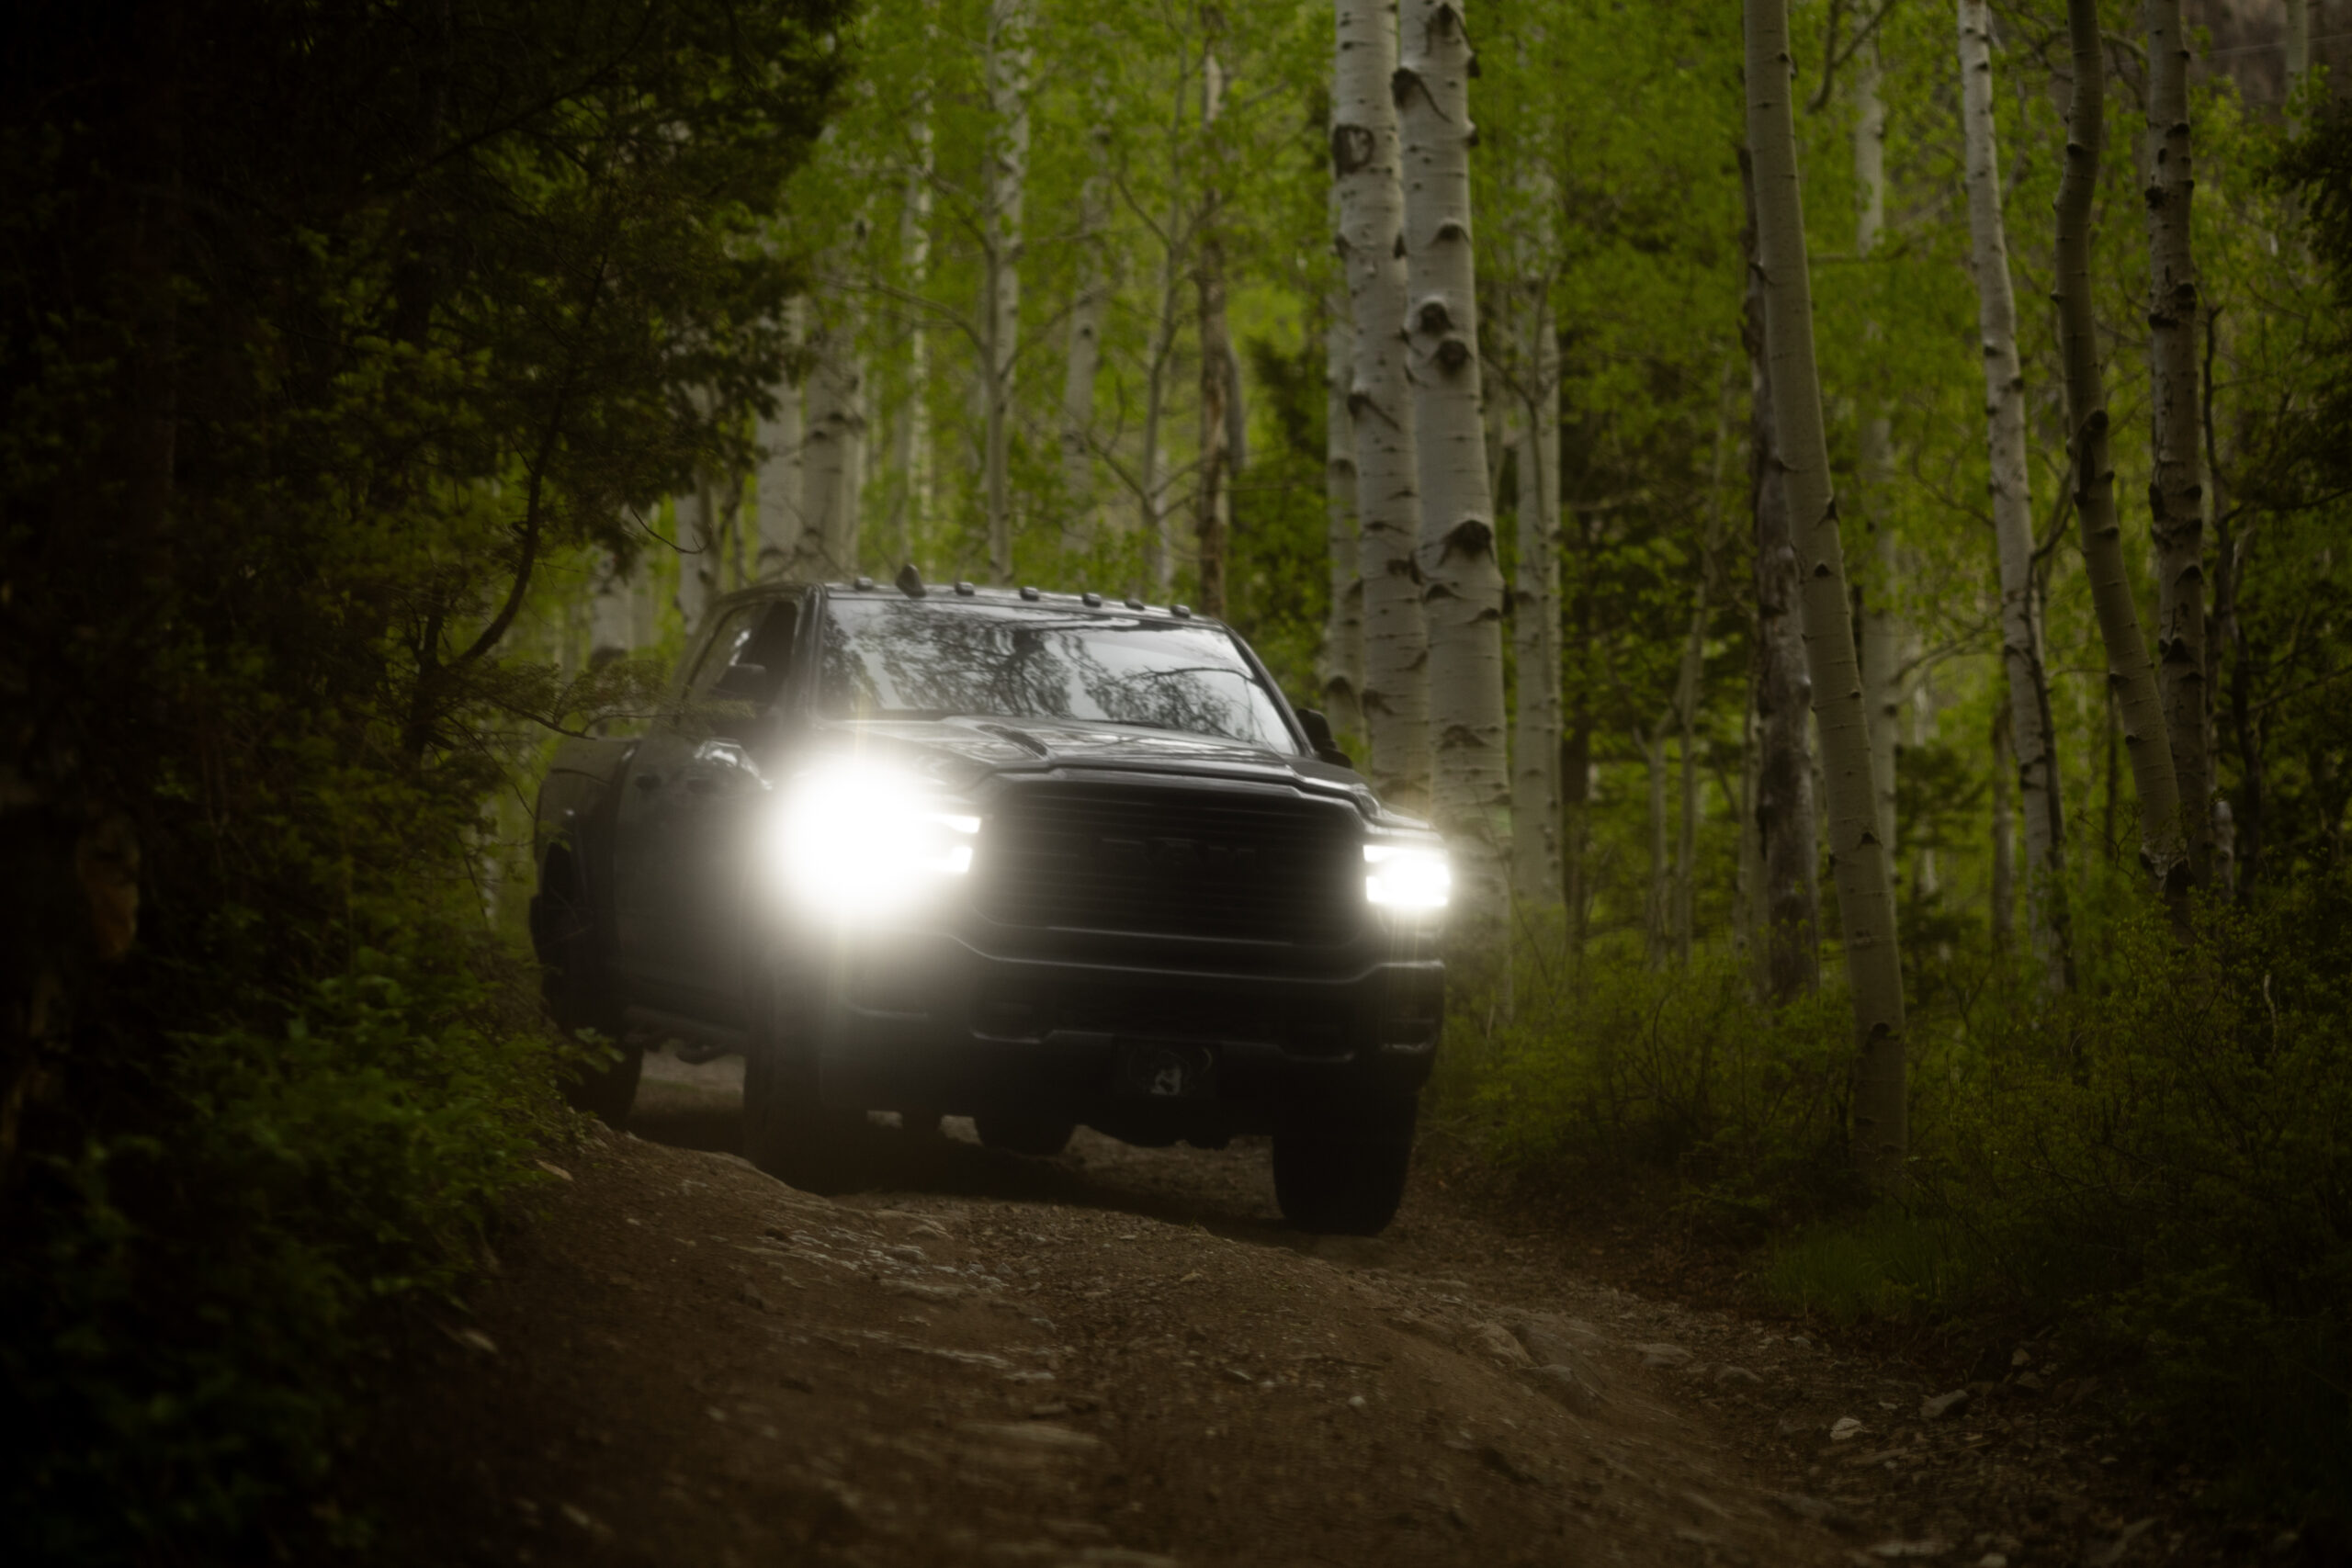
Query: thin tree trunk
point(1339, 666)
point(1884, 637)
point(1856, 856)
point(1006, 68)
point(2035, 742)
point(1366, 163)
point(1159, 564)
point(1686, 854)
point(2129, 674)
point(1575, 747)
point(610, 634)
point(1213, 496)
point(698, 565)
point(910, 432)
point(1657, 908)
point(828, 539)
point(1535, 619)
point(2005, 848)
point(2176, 490)
point(1789, 899)
point(1085, 357)
point(1464, 591)
point(2299, 57)
point(782, 439)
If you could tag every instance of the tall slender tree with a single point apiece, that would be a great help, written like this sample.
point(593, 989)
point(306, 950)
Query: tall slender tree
point(1885, 637)
point(1464, 585)
point(2129, 677)
point(1006, 179)
point(1219, 394)
point(1340, 663)
point(2176, 490)
point(776, 487)
point(1082, 364)
point(1535, 610)
point(2031, 738)
point(1858, 856)
point(1366, 163)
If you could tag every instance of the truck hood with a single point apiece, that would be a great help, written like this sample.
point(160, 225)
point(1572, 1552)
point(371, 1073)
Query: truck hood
point(958, 752)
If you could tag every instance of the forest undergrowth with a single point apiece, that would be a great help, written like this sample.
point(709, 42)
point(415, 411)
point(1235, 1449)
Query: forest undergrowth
point(2154, 1166)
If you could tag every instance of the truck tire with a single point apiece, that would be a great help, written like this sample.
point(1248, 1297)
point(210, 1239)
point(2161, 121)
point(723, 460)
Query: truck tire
point(1340, 1170)
point(1041, 1137)
point(579, 998)
point(789, 1132)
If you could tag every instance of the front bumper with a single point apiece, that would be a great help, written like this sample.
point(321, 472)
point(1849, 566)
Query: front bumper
point(1147, 1050)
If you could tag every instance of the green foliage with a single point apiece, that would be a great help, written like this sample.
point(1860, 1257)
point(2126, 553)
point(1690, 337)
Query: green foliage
point(183, 1316)
point(1891, 1264)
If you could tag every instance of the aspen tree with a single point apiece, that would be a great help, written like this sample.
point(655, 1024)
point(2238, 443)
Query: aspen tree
point(1339, 666)
point(1886, 638)
point(777, 484)
point(1535, 610)
point(1005, 183)
point(1366, 166)
point(1463, 591)
point(1083, 362)
point(2176, 490)
point(2299, 57)
point(1789, 899)
point(829, 537)
point(1857, 855)
point(2028, 736)
point(910, 432)
point(2130, 680)
point(1218, 392)
point(610, 636)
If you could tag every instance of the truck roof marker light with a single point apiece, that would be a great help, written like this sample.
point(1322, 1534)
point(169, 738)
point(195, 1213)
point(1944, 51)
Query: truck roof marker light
point(1183, 612)
point(964, 589)
point(1136, 604)
point(1092, 601)
point(910, 582)
point(864, 584)
point(1031, 594)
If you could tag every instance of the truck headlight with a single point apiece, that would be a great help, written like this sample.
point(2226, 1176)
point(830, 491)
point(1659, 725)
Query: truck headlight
point(857, 841)
point(1406, 876)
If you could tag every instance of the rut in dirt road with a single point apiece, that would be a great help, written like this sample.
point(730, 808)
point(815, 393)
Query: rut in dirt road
point(1118, 1358)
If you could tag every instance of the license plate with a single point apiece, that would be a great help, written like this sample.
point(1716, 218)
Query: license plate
point(1160, 1071)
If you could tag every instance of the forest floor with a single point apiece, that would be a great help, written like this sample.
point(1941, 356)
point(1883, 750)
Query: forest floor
point(1121, 1359)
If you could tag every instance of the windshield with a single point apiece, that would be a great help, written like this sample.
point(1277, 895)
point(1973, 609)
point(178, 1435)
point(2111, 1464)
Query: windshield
point(907, 659)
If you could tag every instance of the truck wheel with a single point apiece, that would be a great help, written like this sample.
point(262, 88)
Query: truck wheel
point(1342, 1172)
point(787, 1130)
point(1017, 1132)
point(579, 999)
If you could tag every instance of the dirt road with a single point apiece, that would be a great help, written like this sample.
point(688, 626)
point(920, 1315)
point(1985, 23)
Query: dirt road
point(1123, 1357)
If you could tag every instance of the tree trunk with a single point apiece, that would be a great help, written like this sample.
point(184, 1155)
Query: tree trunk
point(1857, 855)
point(1536, 620)
point(778, 498)
point(1465, 586)
point(2130, 678)
point(1576, 745)
point(610, 635)
point(1686, 854)
point(1085, 358)
point(2298, 59)
point(1159, 564)
point(1212, 498)
point(2034, 740)
point(2176, 490)
point(1366, 165)
point(828, 540)
point(698, 563)
point(1007, 176)
point(1789, 951)
point(2005, 848)
point(910, 432)
point(1340, 664)
point(1656, 908)
point(1884, 637)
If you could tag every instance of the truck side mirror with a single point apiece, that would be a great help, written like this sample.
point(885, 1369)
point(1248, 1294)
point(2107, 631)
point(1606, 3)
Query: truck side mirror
point(1319, 736)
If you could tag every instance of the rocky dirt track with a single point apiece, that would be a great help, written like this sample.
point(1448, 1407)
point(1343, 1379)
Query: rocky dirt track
point(1123, 1357)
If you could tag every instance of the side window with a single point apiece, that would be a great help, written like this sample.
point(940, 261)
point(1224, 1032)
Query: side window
point(723, 647)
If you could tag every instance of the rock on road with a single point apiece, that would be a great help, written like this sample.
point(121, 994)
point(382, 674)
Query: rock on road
point(1120, 1359)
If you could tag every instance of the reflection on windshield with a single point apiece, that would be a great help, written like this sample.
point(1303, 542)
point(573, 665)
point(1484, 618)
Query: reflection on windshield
point(886, 659)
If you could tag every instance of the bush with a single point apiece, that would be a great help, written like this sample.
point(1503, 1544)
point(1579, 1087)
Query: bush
point(185, 1305)
point(2168, 1160)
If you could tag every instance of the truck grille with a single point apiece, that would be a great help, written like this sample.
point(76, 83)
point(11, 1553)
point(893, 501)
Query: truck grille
point(1150, 859)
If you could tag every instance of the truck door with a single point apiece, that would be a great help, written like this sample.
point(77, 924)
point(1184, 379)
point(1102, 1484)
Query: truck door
point(683, 816)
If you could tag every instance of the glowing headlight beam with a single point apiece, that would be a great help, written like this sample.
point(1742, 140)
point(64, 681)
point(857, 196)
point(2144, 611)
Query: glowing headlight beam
point(1406, 876)
point(857, 841)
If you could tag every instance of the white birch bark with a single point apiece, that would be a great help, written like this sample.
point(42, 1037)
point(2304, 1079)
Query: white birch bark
point(1160, 563)
point(2031, 738)
point(1536, 616)
point(1884, 637)
point(1340, 664)
point(2176, 491)
point(1006, 179)
point(2005, 851)
point(1463, 591)
point(1083, 361)
point(778, 486)
point(698, 562)
point(910, 431)
point(2130, 676)
point(1212, 496)
point(1857, 855)
point(829, 541)
point(1366, 162)
point(610, 634)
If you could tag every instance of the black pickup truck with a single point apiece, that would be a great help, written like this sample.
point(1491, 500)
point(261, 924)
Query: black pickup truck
point(1038, 859)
